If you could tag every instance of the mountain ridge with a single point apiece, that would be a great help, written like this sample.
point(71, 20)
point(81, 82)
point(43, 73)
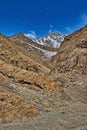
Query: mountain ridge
point(47, 51)
point(71, 56)
point(52, 39)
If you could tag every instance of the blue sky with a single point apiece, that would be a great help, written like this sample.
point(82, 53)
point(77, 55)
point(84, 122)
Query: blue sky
point(38, 17)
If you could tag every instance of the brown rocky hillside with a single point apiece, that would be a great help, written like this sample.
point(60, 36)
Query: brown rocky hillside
point(70, 65)
point(72, 55)
point(23, 78)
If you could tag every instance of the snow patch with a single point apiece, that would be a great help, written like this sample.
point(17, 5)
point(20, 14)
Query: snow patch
point(45, 52)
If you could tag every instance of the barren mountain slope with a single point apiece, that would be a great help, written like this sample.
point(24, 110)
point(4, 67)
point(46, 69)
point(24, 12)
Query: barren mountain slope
point(21, 74)
point(72, 55)
point(70, 65)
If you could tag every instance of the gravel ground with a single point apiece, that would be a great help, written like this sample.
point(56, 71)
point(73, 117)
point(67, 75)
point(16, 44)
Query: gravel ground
point(64, 118)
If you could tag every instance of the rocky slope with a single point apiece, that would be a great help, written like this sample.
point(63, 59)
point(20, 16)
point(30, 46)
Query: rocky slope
point(23, 79)
point(13, 107)
point(70, 65)
point(72, 55)
point(52, 40)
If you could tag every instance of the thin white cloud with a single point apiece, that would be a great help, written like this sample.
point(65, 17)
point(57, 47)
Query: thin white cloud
point(82, 22)
point(84, 19)
point(50, 31)
point(51, 28)
point(31, 35)
point(69, 29)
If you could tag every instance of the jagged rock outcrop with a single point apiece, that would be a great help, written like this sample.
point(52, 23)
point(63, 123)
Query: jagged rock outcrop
point(26, 77)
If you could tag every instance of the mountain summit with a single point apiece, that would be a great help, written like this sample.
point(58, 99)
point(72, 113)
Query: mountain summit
point(42, 49)
point(53, 40)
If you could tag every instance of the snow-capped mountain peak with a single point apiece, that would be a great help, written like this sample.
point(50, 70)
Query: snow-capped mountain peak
point(53, 40)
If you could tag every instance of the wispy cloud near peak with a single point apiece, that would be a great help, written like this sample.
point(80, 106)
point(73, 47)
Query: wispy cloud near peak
point(69, 29)
point(31, 35)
